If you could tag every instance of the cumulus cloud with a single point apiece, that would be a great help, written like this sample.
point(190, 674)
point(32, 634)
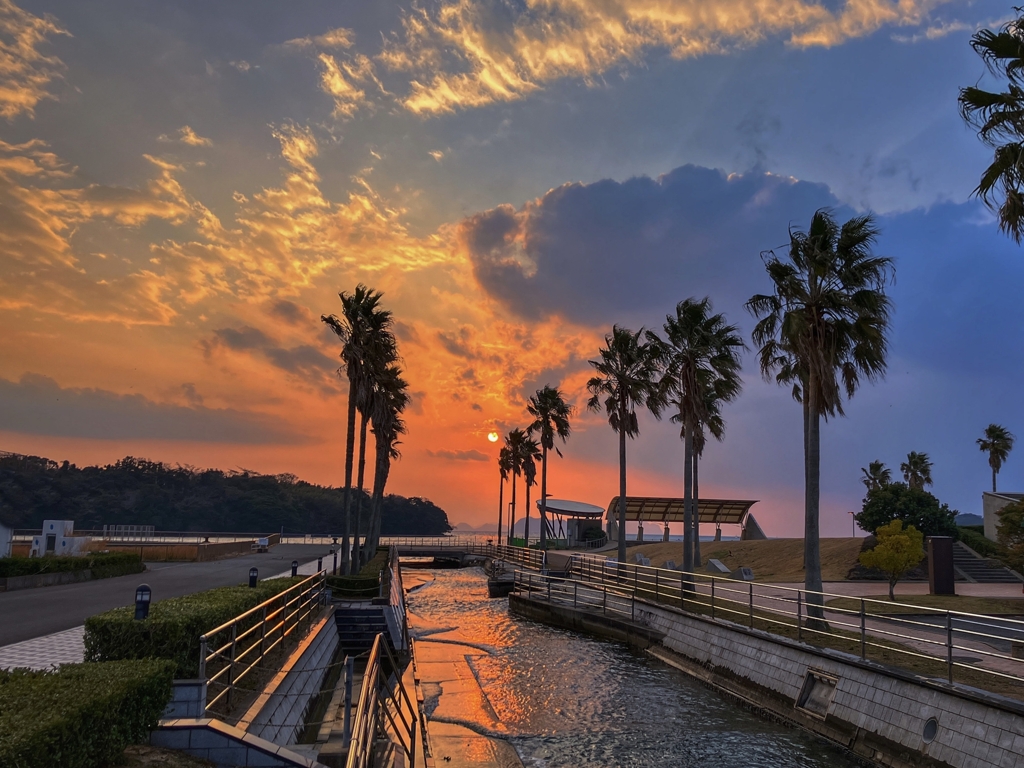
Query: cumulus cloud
point(590, 252)
point(38, 405)
point(465, 53)
point(186, 135)
point(26, 73)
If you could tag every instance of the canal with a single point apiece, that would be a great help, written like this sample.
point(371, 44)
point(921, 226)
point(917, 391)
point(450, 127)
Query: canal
point(563, 699)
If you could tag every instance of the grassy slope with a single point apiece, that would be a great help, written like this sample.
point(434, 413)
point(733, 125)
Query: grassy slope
point(779, 560)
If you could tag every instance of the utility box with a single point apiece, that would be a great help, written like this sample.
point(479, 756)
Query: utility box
point(940, 566)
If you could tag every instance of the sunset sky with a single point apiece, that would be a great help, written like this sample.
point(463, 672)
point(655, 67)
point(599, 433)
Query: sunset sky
point(185, 187)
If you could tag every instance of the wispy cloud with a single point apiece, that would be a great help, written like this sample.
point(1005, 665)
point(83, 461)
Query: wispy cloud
point(185, 135)
point(25, 71)
point(470, 455)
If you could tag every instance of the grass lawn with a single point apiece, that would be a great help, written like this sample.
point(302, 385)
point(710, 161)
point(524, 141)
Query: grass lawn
point(985, 606)
point(778, 560)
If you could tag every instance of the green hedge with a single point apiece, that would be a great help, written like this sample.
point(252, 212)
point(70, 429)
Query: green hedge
point(366, 583)
point(174, 626)
point(81, 716)
point(102, 564)
point(979, 543)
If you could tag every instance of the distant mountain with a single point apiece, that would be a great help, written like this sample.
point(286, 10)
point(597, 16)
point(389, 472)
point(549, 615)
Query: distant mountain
point(969, 519)
point(467, 528)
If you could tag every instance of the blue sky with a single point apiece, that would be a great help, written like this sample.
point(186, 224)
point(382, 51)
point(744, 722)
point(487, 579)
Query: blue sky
point(186, 186)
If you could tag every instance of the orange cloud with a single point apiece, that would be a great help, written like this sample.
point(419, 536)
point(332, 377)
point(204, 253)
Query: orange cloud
point(25, 72)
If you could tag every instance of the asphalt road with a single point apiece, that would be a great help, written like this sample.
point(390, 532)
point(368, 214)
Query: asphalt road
point(29, 613)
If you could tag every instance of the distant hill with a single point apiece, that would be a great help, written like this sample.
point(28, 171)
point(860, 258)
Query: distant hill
point(969, 519)
point(139, 492)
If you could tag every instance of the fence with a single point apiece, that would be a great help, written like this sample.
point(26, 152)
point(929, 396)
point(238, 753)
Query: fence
point(983, 651)
point(384, 709)
point(237, 648)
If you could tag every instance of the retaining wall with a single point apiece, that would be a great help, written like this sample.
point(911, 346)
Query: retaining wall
point(879, 713)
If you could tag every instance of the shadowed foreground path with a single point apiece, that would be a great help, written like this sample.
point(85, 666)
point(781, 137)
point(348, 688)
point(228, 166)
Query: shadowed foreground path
point(29, 613)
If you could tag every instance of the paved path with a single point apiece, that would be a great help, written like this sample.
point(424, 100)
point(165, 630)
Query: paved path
point(33, 613)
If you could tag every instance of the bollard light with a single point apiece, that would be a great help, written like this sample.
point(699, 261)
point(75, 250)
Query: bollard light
point(254, 575)
point(295, 567)
point(143, 595)
point(319, 564)
point(334, 568)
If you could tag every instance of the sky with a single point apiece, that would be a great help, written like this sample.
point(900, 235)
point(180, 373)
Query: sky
point(185, 188)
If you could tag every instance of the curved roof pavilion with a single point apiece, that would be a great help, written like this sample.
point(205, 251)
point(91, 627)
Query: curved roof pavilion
point(567, 508)
point(670, 510)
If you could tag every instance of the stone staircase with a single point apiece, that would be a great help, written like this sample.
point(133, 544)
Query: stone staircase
point(973, 568)
point(358, 626)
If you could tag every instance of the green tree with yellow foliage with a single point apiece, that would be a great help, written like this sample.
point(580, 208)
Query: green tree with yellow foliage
point(898, 550)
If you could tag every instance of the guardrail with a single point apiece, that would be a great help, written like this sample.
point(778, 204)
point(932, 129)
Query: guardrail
point(929, 641)
point(384, 711)
point(395, 593)
point(231, 652)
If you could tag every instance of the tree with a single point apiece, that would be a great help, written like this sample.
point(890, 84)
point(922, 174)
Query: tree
point(917, 470)
point(514, 443)
point(700, 363)
point(997, 443)
point(999, 119)
point(823, 329)
point(530, 452)
point(897, 551)
point(389, 397)
point(626, 379)
point(363, 327)
point(550, 420)
point(1010, 533)
point(913, 506)
point(876, 475)
point(504, 468)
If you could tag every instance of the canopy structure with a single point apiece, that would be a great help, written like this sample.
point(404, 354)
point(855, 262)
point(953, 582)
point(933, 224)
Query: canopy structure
point(568, 508)
point(670, 510)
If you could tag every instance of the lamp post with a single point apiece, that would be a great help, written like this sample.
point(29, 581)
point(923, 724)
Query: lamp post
point(295, 567)
point(143, 596)
point(853, 532)
point(254, 576)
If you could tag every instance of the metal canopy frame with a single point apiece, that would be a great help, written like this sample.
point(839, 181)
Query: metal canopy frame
point(663, 509)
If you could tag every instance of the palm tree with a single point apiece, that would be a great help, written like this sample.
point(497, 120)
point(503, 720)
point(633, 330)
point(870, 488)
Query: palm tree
point(700, 363)
point(365, 331)
point(530, 452)
point(390, 401)
point(997, 118)
point(997, 443)
point(822, 330)
point(917, 470)
point(876, 476)
point(550, 420)
point(384, 400)
point(514, 442)
point(626, 380)
point(504, 468)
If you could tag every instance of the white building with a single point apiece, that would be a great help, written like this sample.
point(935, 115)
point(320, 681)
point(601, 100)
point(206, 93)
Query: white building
point(991, 503)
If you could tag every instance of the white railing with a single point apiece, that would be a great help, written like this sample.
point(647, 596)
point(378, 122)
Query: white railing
point(384, 711)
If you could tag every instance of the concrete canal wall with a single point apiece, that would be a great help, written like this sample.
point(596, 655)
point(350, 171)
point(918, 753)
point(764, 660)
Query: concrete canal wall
point(885, 716)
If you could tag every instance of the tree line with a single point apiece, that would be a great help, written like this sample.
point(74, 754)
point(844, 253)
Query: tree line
point(135, 491)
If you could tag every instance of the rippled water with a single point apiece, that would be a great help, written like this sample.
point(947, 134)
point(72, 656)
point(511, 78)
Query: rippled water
point(572, 700)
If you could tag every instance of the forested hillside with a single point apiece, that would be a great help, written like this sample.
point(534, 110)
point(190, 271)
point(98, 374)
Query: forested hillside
point(139, 492)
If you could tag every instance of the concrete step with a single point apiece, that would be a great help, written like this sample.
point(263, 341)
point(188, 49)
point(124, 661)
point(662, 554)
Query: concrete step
point(979, 569)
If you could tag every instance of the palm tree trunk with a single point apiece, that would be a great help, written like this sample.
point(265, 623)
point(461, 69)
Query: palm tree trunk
point(993, 480)
point(687, 498)
point(501, 503)
point(380, 478)
point(622, 486)
point(807, 453)
point(696, 512)
point(544, 499)
point(812, 544)
point(350, 445)
point(357, 548)
point(512, 512)
point(526, 530)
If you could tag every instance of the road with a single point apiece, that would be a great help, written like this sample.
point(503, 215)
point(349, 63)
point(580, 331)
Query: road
point(30, 613)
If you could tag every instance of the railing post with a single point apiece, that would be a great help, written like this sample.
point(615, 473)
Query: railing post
point(712, 597)
point(549, 590)
point(575, 590)
point(632, 607)
point(751, 605)
point(656, 585)
point(263, 631)
point(799, 615)
point(949, 646)
point(863, 632)
point(349, 674)
point(231, 664)
point(604, 601)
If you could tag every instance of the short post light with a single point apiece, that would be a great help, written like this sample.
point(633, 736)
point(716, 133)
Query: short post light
point(254, 575)
point(295, 567)
point(319, 564)
point(334, 567)
point(143, 596)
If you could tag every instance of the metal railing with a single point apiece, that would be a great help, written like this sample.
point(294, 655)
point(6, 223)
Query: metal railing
point(932, 641)
point(396, 593)
point(384, 711)
point(234, 650)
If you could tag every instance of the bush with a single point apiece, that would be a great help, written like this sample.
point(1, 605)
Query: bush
point(898, 550)
point(81, 716)
point(174, 626)
point(102, 564)
point(1010, 532)
point(911, 506)
point(366, 583)
point(979, 543)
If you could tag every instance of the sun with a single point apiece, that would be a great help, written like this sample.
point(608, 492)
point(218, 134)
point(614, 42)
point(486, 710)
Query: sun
point(492, 436)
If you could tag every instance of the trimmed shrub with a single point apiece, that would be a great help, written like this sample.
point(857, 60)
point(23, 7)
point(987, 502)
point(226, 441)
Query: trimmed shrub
point(102, 564)
point(979, 543)
point(174, 626)
point(366, 583)
point(82, 715)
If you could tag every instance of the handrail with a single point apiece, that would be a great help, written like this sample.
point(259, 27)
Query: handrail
point(253, 635)
point(382, 709)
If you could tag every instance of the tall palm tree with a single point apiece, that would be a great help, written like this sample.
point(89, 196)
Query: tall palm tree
point(504, 468)
point(391, 400)
point(550, 420)
point(530, 452)
point(514, 443)
point(917, 470)
point(876, 476)
point(384, 399)
point(997, 443)
point(627, 379)
point(364, 328)
point(700, 362)
point(998, 119)
point(823, 329)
